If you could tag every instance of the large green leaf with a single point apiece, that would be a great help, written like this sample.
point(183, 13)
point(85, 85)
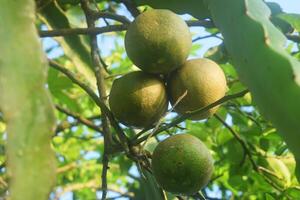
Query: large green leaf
point(196, 8)
point(25, 104)
point(257, 49)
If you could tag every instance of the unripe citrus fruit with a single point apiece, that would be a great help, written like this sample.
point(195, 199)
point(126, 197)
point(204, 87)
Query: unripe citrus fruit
point(138, 99)
point(203, 80)
point(182, 164)
point(158, 41)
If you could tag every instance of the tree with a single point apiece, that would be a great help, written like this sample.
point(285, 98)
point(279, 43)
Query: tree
point(253, 137)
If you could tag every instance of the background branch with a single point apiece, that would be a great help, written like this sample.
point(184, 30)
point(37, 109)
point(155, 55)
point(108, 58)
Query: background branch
point(109, 15)
point(110, 28)
point(99, 73)
point(257, 168)
point(240, 140)
point(294, 38)
point(99, 103)
point(78, 117)
point(82, 31)
point(203, 23)
point(67, 125)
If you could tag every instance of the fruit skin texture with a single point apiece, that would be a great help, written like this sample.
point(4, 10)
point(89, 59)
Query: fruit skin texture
point(138, 99)
point(204, 82)
point(158, 41)
point(182, 164)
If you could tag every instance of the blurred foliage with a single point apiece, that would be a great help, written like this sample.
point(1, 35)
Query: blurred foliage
point(79, 149)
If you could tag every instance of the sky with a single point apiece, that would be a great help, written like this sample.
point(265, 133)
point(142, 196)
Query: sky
point(289, 6)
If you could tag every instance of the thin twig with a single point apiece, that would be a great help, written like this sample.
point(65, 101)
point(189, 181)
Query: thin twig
point(78, 117)
point(240, 140)
point(270, 172)
point(188, 115)
point(109, 15)
point(207, 36)
point(99, 73)
point(3, 183)
point(257, 168)
point(82, 31)
point(203, 23)
point(107, 29)
point(67, 125)
point(294, 38)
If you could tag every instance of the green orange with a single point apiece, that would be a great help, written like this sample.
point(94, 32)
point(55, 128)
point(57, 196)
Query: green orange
point(158, 41)
point(138, 99)
point(203, 81)
point(182, 164)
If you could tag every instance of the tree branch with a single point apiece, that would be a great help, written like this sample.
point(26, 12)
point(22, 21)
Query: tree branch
point(96, 99)
point(257, 168)
point(67, 125)
point(203, 23)
point(294, 38)
point(207, 36)
point(82, 31)
point(99, 73)
point(110, 28)
point(187, 115)
point(240, 140)
point(78, 117)
point(109, 15)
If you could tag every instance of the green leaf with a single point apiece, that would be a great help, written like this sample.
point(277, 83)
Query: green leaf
point(293, 192)
point(26, 106)
point(235, 152)
point(293, 19)
point(148, 188)
point(269, 197)
point(196, 8)
point(280, 170)
point(271, 74)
